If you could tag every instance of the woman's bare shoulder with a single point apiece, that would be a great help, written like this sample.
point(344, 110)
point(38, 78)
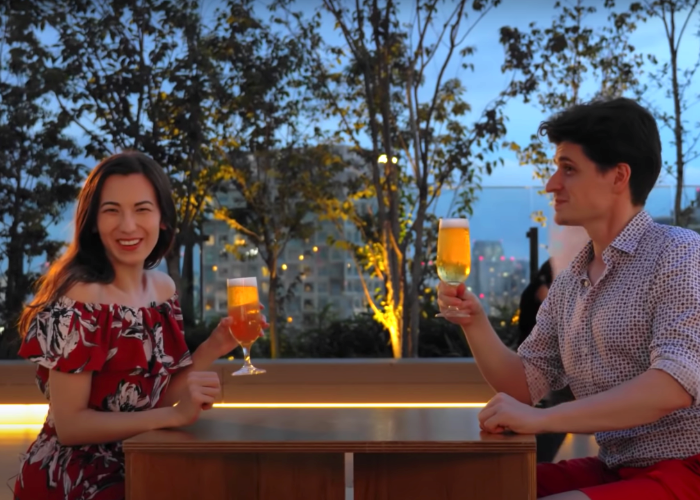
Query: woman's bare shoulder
point(163, 285)
point(85, 292)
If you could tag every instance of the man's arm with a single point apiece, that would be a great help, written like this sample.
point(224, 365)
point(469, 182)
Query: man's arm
point(501, 367)
point(642, 400)
point(672, 381)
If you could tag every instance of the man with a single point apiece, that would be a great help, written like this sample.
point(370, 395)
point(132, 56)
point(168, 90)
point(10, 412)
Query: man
point(530, 302)
point(620, 326)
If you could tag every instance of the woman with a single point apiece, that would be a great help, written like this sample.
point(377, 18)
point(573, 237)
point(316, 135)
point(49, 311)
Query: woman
point(105, 330)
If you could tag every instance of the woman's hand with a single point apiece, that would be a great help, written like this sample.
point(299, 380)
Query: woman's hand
point(202, 390)
point(222, 340)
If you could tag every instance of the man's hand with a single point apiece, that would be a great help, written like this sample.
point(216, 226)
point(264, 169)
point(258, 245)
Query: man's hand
point(504, 413)
point(452, 299)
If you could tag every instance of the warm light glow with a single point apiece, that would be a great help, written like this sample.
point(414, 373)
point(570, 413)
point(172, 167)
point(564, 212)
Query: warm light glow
point(315, 249)
point(19, 427)
point(284, 267)
point(289, 319)
point(20, 417)
point(301, 257)
point(385, 159)
point(214, 268)
point(349, 405)
point(16, 416)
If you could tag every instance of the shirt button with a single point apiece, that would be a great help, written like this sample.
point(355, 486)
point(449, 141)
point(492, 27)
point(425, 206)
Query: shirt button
point(586, 283)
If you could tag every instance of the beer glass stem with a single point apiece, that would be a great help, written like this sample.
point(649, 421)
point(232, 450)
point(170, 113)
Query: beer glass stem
point(246, 356)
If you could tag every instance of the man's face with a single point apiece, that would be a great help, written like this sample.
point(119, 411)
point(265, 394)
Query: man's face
point(582, 194)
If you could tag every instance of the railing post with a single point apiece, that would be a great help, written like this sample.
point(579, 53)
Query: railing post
point(533, 236)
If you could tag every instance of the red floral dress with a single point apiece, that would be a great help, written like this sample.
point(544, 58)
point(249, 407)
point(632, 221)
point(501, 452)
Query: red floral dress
point(132, 353)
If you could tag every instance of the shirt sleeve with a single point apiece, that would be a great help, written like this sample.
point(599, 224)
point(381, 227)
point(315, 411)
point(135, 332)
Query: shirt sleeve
point(540, 353)
point(675, 295)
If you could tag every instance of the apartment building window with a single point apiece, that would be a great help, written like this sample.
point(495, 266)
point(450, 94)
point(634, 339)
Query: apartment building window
point(309, 305)
point(308, 287)
point(336, 255)
point(336, 287)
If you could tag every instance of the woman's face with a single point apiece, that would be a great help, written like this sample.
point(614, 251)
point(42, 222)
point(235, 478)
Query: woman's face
point(128, 219)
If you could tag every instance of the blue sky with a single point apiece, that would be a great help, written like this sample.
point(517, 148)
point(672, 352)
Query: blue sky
point(484, 82)
point(487, 79)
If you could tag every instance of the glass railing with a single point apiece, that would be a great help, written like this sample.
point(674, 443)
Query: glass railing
point(500, 222)
point(330, 287)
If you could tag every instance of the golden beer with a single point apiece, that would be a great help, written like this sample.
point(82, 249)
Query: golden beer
point(244, 311)
point(454, 259)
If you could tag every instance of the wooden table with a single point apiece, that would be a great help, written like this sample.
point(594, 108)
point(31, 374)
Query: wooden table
point(298, 454)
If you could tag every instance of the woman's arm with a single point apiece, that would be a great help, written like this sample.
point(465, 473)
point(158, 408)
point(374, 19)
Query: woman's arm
point(202, 359)
point(77, 425)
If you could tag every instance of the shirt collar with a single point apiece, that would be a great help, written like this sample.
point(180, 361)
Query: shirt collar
point(627, 242)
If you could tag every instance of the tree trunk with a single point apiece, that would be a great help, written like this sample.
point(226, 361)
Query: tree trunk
point(678, 137)
point(172, 260)
point(187, 301)
point(272, 309)
point(412, 307)
point(16, 288)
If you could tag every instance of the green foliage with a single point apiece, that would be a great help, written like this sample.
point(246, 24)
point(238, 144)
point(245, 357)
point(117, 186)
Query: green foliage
point(568, 62)
point(276, 179)
point(678, 86)
point(411, 128)
point(141, 77)
point(38, 177)
point(362, 336)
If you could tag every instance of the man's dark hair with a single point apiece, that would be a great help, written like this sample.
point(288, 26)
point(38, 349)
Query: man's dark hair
point(612, 132)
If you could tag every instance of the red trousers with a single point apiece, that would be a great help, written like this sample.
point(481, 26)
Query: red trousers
point(666, 480)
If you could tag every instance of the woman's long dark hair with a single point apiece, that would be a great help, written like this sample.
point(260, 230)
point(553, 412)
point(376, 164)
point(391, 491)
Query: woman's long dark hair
point(85, 259)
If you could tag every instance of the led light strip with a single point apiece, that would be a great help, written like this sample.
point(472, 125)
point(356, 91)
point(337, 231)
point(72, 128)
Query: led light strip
point(14, 417)
point(349, 405)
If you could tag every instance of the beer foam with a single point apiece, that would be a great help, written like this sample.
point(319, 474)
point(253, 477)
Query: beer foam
point(242, 282)
point(454, 223)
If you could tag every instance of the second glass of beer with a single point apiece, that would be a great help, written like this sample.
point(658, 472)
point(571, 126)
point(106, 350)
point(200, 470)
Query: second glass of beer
point(244, 310)
point(454, 258)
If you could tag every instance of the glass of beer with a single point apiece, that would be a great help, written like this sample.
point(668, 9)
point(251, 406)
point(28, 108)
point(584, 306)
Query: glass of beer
point(454, 258)
point(244, 310)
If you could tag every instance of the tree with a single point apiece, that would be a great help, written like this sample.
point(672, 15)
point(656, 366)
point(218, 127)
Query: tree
point(386, 85)
point(677, 84)
point(38, 176)
point(278, 179)
point(142, 79)
point(569, 62)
